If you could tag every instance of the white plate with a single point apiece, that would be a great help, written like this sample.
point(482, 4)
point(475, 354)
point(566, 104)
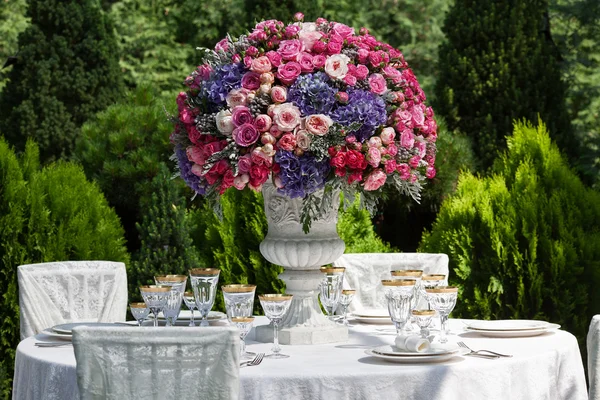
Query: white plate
point(372, 313)
point(373, 321)
point(435, 349)
point(515, 333)
point(67, 329)
point(62, 336)
point(414, 359)
point(187, 315)
point(507, 325)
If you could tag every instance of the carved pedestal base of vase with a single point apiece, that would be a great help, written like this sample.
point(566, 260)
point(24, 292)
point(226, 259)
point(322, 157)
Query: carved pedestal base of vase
point(304, 323)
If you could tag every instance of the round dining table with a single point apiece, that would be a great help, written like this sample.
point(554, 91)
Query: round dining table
point(544, 367)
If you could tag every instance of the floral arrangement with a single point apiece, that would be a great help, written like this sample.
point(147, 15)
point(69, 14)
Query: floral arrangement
point(311, 106)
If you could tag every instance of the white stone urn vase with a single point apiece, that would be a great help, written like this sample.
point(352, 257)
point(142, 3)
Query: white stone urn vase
point(301, 254)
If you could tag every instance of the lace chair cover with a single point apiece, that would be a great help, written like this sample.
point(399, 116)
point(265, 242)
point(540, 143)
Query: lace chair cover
point(593, 349)
point(364, 272)
point(130, 363)
point(70, 291)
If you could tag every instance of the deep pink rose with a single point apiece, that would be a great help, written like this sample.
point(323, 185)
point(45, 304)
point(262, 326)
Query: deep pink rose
point(375, 58)
point(181, 100)
point(407, 139)
point(261, 65)
point(414, 161)
point(287, 142)
point(430, 172)
point(245, 135)
point(244, 164)
point(241, 115)
point(222, 45)
point(355, 176)
point(355, 160)
point(363, 56)
point(263, 122)
point(350, 80)
point(186, 116)
point(342, 97)
point(361, 72)
point(274, 57)
point(392, 73)
point(227, 181)
point(291, 31)
point(288, 72)
point(319, 47)
point(334, 47)
point(240, 181)
point(258, 175)
point(298, 17)
point(309, 38)
point(404, 171)
point(319, 61)
point(417, 115)
point(252, 51)
point(339, 160)
point(375, 180)
point(390, 166)
point(343, 30)
point(373, 157)
point(392, 150)
point(204, 71)
point(289, 49)
point(194, 154)
point(251, 80)
point(377, 84)
point(305, 61)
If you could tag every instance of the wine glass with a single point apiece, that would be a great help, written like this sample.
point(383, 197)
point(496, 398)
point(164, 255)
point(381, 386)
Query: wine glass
point(204, 284)
point(190, 303)
point(244, 324)
point(155, 297)
point(423, 319)
point(173, 304)
point(139, 311)
point(275, 306)
point(399, 294)
point(443, 300)
point(331, 288)
point(239, 300)
point(345, 299)
point(414, 274)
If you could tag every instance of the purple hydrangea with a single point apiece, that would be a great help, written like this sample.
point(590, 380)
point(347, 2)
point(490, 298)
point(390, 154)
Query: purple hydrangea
point(300, 175)
point(223, 80)
point(312, 94)
point(185, 169)
point(364, 107)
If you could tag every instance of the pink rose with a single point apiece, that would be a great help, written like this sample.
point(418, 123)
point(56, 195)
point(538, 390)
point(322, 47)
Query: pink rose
point(274, 57)
point(251, 81)
point(319, 47)
point(407, 139)
point(392, 73)
point(260, 158)
point(223, 45)
point(275, 132)
point(336, 66)
point(245, 135)
point(186, 116)
point(267, 78)
point(241, 115)
point(373, 157)
point(404, 171)
point(309, 39)
point(375, 180)
point(298, 17)
point(291, 31)
point(302, 139)
point(339, 160)
point(261, 65)
point(430, 172)
point(342, 97)
point(374, 141)
point(288, 72)
point(240, 181)
point(355, 176)
point(421, 147)
point(244, 164)
point(204, 71)
point(305, 61)
point(319, 61)
point(286, 117)
point(267, 138)
point(194, 154)
point(181, 100)
point(193, 134)
point(390, 166)
point(392, 150)
point(334, 47)
point(289, 49)
point(377, 84)
point(237, 97)
point(224, 122)
point(263, 122)
point(197, 170)
point(318, 124)
point(417, 115)
point(251, 51)
point(258, 175)
point(350, 80)
point(342, 30)
point(278, 94)
point(363, 56)
point(387, 135)
point(287, 142)
point(414, 161)
point(361, 72)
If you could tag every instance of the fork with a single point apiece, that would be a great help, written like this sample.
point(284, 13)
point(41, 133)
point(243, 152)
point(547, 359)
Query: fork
point(257, 360)
point(52, 344)
point(463, 345)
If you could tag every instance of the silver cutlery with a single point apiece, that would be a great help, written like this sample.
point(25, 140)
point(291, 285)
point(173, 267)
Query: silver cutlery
point(257, 360)
point(473, 352)
point(53, 344)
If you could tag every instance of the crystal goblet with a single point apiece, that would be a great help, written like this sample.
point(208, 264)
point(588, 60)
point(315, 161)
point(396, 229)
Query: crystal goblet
point(244, 324)
point(155, 297)
point(190, 303)
point(204, 284)
point(139, 311)
point(345, 299)
point(330, 288)
point(408, 274)
point(173, 304)
point(399, 294)
point(275, 307)
point(423, 319)
point(239, 300)
point(443, 300)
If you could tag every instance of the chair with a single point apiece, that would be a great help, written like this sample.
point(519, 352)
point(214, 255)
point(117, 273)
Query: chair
point(70, 291)
point(593, 350)
point(131, 363)
point(364, 272)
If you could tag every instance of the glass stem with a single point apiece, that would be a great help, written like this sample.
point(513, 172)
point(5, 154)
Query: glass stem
point(344, 317)
point(242, 348)
point(155, 318)
point(275, 348)
point(192, 321)
point(443, 328)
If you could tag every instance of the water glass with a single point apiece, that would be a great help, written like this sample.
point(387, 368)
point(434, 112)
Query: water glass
point(411, 274)
point(139, 311)
point(155, 297)
point(204, 284)
point(330, 288)
point(345, 299)
point(443, 300)
point(173, 305)
point(423, 319)
point(239, 300)
point(190, 303)
point(244, 324)
point(399, 294)
point(275, 307)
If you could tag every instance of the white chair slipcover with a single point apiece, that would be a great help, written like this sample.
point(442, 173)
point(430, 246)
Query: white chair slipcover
point(593, 350)
point(131, 363)
point(364, 272)
point(70, 291)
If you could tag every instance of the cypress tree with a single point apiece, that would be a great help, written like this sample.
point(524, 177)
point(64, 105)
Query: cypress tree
point(499, 64)
point(67, 69)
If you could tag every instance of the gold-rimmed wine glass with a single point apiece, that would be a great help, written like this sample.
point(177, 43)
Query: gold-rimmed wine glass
point(190, 303)
point(204, 284)
point(330, 288)
point(244, 324)
point(443, 300)
point(423, 319)
point(239, 299)
point(139, 311)
point(345, 299)
point(275, 307)
point(155, 297)
point(173, 305)
point(399, 294)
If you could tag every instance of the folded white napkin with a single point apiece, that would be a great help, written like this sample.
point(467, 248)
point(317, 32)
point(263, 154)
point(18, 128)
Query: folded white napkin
point(412, 343)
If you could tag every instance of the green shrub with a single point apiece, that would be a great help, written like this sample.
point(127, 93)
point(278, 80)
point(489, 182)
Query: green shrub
point(12, 22)
point(48, 214)
point(67, 71)
point(524, 242)
point(495, 66)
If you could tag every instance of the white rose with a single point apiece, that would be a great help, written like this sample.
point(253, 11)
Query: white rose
point(237, 97)
point(224, 122)
point(307, 26)
point(302, 139)
point(286, 116)
point(336, 66)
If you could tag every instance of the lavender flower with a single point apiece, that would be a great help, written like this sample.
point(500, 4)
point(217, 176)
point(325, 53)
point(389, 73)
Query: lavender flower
point(364, 107)
point(313, 94)
point(300, 175)
point(223, 80)
point(185, 169)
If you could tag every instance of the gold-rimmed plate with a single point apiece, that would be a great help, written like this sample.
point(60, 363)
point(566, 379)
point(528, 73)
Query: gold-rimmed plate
point(67, 329)
point(187, 315)
point(434, 350)
point(507, 325)
point(417, 358)
point(516, 333)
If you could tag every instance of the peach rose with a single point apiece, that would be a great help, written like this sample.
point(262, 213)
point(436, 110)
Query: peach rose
point(318, 124)
point(286, 116)
point(375, 180)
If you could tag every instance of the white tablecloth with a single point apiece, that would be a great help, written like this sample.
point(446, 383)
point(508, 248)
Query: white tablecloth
point(545, 367)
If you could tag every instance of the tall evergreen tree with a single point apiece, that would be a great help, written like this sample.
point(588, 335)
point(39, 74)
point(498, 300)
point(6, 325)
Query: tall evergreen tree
point(67, 70)
point(499, 64)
